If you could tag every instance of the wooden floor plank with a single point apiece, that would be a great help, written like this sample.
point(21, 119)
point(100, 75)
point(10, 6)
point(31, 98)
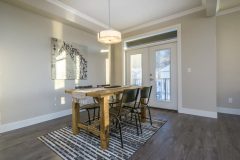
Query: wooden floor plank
point(183, 137)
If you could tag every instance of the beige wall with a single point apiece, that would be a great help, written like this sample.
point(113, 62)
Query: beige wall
point(117, 64)
point(198, 53)
point(228, 49)
point(26, 88)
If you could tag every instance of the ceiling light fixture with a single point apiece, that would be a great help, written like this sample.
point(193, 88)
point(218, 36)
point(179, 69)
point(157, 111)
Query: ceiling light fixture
point(104, 50)
point(109, 36)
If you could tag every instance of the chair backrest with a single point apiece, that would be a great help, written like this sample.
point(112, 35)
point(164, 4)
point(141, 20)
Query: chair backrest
point(115, 86)
point(83, 87)
point(145, 94)
point(102, 85)
point(129, 97)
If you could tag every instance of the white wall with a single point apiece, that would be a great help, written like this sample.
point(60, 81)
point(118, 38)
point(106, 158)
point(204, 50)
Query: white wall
point(26, 88)
point(228, 50)
point(198, 53)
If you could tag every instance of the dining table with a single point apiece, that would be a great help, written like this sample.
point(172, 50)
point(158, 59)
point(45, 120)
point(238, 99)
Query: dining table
point(102, 94)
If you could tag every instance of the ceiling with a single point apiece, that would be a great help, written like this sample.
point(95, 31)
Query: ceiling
point(126, 15)
point(129, 13)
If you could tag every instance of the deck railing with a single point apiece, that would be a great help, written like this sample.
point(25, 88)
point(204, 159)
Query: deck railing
point(163, 89)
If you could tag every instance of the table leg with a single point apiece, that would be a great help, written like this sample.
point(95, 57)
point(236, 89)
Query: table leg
point(104, 122)
point(143, 111)
point(75, 117)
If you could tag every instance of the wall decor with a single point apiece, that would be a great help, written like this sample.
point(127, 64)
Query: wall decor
point(69, 60)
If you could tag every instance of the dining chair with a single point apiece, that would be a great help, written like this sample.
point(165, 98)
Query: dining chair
point(129, 96)
point(102, 85)
point(90, 106)
point(112, 100)
point(145, 95)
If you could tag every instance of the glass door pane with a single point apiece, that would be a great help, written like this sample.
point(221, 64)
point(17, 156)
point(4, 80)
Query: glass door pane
point(136, 69)
point(163, 75)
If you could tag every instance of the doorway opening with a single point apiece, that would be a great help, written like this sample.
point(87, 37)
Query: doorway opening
point(157, 64)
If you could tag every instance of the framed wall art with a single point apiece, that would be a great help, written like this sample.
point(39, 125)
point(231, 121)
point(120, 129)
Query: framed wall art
point(69, 60)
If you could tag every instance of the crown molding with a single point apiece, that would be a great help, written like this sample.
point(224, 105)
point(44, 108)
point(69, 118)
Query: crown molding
point(82, 19)
point(76, 12)
point(168, 18)
point(228, 11)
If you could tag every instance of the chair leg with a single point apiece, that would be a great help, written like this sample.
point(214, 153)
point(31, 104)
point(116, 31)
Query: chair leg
point(139, 120)
point(94, 114)
point(136, 124)
point(98, 113)
point(117, 124)
point(89, 120)
point(149, 113)
point(120, 131)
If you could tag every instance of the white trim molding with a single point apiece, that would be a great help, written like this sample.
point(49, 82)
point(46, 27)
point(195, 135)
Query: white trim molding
point(228, 11)
point(197, 112)
point(164, 19)
point(164, 108)
point(35, 120)
point(228, 110)
point(77, 12)
point(179, 66)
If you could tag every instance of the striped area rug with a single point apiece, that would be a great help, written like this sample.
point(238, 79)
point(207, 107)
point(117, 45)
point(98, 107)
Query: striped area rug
point(86, 146)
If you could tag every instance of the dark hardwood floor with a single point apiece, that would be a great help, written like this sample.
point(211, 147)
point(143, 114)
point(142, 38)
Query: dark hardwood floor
point(182, 137)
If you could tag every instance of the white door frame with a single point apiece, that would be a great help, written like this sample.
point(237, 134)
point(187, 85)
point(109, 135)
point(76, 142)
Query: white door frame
point(179, 56)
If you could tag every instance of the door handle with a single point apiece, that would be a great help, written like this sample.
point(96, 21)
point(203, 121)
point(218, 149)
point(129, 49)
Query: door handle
point(151, 79)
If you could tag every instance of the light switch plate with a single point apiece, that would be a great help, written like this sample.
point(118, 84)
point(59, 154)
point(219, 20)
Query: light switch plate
point(0, 118)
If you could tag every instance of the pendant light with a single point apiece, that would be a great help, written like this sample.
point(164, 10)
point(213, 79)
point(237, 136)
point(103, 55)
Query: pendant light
point(109, 36)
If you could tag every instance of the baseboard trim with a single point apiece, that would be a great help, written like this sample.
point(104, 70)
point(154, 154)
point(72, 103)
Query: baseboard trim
point(196, 112)
point(31, 121)
point(227, 110)
point(166, 108)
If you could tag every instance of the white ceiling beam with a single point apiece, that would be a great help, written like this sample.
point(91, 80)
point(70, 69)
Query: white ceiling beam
point(218, 6)
point(77, 13)
point(211, 7)
point(62, 12)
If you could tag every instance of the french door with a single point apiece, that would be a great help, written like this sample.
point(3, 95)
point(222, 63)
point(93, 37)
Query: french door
point(155, 66)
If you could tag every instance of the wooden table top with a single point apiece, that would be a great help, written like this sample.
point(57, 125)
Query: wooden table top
point(99, 92)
